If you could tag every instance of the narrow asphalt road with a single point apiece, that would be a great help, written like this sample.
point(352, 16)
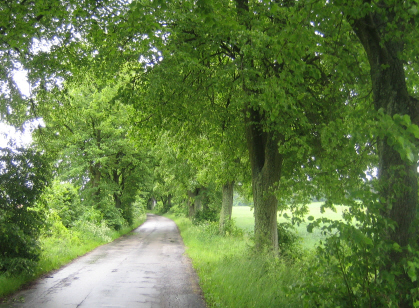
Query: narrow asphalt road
point(144, 269)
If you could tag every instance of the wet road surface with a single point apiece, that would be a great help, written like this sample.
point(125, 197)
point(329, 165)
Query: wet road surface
point(144, 269)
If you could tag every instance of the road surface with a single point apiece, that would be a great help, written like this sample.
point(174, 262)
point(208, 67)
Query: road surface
point(144, 269)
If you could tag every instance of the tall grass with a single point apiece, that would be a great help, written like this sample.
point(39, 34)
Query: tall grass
point(61, 245)
point(232, 275)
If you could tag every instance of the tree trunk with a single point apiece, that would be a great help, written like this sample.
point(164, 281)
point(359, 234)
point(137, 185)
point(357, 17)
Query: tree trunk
point(191, 204)
point(117, 200)
point(398, 177)
point(227, 205)
point(398, 187)
point(116, 194)
point(167, 203)
point(151, 203)
point(198, 204)
point(95, 177)
point(266, 163)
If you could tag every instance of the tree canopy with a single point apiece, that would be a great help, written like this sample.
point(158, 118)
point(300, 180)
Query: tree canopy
point(312, 95)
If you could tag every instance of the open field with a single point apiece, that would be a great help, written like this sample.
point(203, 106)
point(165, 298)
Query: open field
point(243, 215)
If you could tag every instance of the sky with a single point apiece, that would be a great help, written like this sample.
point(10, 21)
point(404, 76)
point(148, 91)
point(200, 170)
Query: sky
point(7, 131)
point(20, 77)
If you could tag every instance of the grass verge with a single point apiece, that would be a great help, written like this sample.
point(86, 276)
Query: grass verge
point(61, 247)
point(232, 275)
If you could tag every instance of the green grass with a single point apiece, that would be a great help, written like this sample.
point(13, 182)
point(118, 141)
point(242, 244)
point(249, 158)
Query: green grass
point(243, 216)
point(62, 247)
point(232, 275)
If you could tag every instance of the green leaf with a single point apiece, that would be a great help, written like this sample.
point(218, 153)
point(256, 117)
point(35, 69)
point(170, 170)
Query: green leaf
point(413, 10)
point(414, 129)
point(396, 247)
point(412, 270)
point(310, 228)
point(410, 156)
point(311, 218)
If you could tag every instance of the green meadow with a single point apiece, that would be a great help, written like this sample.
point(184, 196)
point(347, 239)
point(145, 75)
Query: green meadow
point(243, 217)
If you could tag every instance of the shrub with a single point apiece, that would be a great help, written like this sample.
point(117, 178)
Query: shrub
point(92, 231)
point(230, 229)
point(24, 173)
point(64, 199)
point(207, 214)
point(288, 240)
point(351, 265)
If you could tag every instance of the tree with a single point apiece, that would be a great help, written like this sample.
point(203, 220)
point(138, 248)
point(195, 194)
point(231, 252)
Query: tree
point(386, 31)
point(24, 173)
point(244, 63)
point(44, 39)
point(88, 126)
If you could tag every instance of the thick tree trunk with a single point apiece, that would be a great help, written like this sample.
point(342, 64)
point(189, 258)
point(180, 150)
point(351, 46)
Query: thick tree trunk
point(397, 177)
point(117, 200)
point(266, 163)
point(227, 205)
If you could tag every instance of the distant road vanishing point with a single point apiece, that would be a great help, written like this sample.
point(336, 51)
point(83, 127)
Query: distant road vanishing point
point(146, 268)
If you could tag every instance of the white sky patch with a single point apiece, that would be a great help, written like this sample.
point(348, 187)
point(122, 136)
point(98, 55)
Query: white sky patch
point(21, 79)
point(371, 173)
point(24, 139)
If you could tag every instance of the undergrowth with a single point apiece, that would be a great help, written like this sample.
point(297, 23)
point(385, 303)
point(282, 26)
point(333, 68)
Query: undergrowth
point(232, 275)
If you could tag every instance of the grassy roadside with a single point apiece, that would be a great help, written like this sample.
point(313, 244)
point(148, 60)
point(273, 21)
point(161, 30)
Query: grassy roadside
point(231, 275)
point(62, 247)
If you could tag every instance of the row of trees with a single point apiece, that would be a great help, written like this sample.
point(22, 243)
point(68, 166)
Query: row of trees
point(310, 94)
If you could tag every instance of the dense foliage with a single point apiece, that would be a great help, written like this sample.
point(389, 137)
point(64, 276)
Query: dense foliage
point(24, 173)
point(174, 102)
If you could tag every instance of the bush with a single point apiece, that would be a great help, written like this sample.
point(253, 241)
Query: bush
point(64, 199)
point(24, 173)
point(92, 231)
point(207, 214)
point(18, 265)
point(179, 209)
point(288, 240)
point(352, 264)
point(230, 229)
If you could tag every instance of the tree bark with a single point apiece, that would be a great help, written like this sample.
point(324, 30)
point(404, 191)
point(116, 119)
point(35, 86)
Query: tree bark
point(191, 203)
point(398, 177)
point(151, 203)
point(95, 177)
point(198, 204)
point(398, 188)
point(227, 205)
point(266, 163)
point(167, 203)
